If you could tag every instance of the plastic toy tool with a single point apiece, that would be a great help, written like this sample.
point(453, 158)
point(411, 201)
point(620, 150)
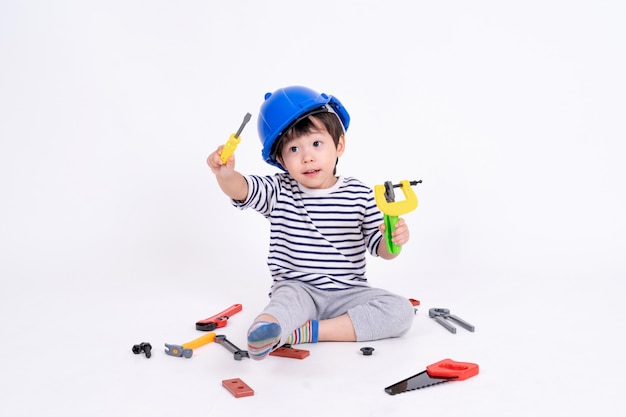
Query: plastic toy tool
point(440, 315)
point(218, 320)
point(186, 349)
point(437, 373)
point(386, 202)
point(229, 148)
point(232, 348)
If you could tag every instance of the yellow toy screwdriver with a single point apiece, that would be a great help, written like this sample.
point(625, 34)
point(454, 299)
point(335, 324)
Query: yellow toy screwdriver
point(233, 141)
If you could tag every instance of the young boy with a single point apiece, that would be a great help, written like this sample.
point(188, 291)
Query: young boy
point(321, 227)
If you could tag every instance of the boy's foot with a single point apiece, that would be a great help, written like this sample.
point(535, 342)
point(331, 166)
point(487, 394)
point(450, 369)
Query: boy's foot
point(263, 336)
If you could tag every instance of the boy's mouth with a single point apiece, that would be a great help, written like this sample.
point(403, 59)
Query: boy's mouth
point(311, 172)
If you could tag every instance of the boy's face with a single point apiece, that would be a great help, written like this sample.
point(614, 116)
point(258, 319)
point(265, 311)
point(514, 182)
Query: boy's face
point(310, 159)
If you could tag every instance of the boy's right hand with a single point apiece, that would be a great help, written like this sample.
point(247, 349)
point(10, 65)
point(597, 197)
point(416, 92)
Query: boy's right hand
point(217, 166)
point(231, 182)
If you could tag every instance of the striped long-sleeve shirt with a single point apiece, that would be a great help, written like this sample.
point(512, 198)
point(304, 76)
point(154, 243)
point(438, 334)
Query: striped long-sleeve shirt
point(317, 236)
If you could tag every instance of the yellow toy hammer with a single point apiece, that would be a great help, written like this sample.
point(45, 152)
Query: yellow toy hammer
point(186, 350)
point(385, 200)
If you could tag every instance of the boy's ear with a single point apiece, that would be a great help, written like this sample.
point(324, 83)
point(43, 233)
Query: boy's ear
point(341, 145)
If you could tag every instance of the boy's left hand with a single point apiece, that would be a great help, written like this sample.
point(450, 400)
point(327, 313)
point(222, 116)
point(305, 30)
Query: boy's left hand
point(400, 235)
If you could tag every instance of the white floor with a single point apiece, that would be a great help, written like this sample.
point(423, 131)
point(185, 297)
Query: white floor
point(113, 231)
point(545, 345)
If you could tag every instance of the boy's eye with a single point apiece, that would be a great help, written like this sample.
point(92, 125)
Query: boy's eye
point(293, 149)
point(317, 143)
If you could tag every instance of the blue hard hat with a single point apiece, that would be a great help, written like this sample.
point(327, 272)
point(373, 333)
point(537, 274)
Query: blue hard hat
point(284, 107)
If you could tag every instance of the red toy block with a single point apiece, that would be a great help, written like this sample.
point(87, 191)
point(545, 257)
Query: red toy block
point(287, 352)
point(237, 387)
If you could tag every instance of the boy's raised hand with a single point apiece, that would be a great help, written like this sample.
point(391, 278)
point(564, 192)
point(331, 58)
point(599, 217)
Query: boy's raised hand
point(232, 183)
point(217, 166)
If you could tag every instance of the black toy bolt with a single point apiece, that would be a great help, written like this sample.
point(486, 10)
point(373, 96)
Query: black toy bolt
point(143, 347)
point(367, 351)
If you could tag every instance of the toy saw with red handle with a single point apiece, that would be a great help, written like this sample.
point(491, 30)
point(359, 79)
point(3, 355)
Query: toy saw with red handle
point(218, 320)
point(437, 373)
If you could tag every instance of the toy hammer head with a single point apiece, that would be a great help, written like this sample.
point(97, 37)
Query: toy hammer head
point(178, 350)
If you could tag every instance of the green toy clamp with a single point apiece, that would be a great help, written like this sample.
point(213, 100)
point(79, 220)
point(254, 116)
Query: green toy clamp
point(385, 200)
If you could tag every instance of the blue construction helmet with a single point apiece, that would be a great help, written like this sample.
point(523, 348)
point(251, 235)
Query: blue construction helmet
point(285, 107)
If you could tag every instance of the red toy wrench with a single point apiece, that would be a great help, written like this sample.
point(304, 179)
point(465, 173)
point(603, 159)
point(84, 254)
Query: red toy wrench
point(218, 320)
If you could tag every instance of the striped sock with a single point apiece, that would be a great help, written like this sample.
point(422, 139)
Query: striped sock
point(305, 334)
point(262, 337)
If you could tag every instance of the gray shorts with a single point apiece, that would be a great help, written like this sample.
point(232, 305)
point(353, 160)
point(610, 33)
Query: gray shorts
point(375, 313)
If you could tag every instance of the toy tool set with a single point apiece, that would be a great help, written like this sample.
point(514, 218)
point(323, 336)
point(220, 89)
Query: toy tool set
point(437, 373)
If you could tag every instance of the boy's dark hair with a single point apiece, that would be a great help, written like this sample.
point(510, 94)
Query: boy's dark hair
point(329, 120)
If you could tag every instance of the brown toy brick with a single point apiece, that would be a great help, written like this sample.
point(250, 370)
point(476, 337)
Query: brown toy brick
point(288, 352)
point(237, 387)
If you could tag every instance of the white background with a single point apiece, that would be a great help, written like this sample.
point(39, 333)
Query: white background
point(113, 231)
